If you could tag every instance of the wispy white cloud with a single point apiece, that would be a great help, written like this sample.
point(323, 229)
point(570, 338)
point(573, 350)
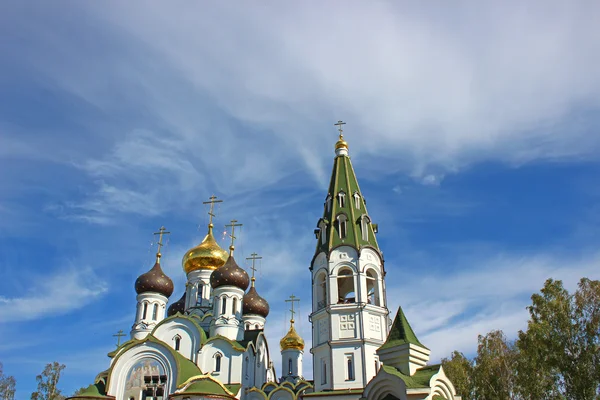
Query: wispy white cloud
point(60, 293)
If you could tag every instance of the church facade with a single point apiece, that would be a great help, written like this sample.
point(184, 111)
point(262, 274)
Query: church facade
point(210, 343)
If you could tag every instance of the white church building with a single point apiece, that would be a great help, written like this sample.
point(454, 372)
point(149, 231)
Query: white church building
point(210, 343)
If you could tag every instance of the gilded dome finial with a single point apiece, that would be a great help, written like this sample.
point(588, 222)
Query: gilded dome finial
point(232, 236)
point(208, 254)
point(162, 231)
point(292, 339)
point(341, 147)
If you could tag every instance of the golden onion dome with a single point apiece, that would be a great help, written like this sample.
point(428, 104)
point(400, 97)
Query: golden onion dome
point(292, 340)
point(341, 143)
point(207, 255)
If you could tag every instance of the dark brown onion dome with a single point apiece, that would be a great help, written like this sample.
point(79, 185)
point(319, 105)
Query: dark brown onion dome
point(230, 274)
point(254, 304)
point(177, 307)
point(154, 280)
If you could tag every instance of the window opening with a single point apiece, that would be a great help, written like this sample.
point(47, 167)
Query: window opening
point(321, 288)
point(224, 305)
point(218, 363)
point(346, 292)
point(155, 312)
point(342, 199)
point(177, 342)
point(342, 225)
point(324, 372)
point(350, 366)
point(234, 306)
point(357, 200)
point(372, 288)
point(290, 366)
point(145, 311)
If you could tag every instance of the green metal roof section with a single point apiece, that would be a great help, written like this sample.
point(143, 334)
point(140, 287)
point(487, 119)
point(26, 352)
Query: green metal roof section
point(420, 379)
point(95, 391)
point(343, 180)
point(401, 333)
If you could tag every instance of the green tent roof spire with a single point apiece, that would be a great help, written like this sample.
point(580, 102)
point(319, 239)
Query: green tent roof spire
point(345, 219)
point(401, 333)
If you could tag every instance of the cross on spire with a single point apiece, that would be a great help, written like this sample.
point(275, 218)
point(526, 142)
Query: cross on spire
point(253, 257)
point(119, 335)
point(162, 231)
point(233, 224)
point(292, 300)
point(339, 125)
point(212, 201)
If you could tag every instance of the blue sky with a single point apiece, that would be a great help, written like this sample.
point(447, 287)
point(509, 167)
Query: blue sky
point(473, 132)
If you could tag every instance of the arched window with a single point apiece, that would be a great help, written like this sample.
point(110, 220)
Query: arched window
point(328, 202)
point(177, 342)
point(373, 296)
point(155, 312)
point(217, 363)
point(247, 327)
point(364, 227)
point(322, 231)
point(234, 306)
point(342, 225)
point(342, 198)
point(200, 292)
point(290, 370)
point(346, 291)
point(145, 311)
point(350, 366)
point(357, 200)
point(321, 290)
point(256, 326)
point(224, 305)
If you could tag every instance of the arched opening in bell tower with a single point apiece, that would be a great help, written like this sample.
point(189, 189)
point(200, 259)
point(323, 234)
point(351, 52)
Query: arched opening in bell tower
point(346, 290)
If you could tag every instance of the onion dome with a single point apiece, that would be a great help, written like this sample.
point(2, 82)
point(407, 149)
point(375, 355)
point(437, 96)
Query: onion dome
point(230, 274)
point(252, 303)
point(207, 255)
point(177, 307)
point(292, 340)
point(341, 143)
point(154, 280)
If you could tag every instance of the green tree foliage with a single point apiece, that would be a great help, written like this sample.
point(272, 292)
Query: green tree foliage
point(556, 358)
point(460, 371)
point(560, 351)
point(494, 371)
point(48, 383)
point(7, 385)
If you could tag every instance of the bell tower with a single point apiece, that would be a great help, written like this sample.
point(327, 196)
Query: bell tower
point(349, 308)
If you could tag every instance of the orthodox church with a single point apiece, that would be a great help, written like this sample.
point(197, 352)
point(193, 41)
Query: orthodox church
point(210, 343)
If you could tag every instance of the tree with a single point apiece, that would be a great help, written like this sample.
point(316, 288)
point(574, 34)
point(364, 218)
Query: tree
point(460, 371)
point(7, 385)
point(561, 347)
point(48, 383)
point(493, 374)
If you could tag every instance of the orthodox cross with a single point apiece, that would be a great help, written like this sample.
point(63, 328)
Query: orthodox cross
point(212, 200)
point(119, 335)
point(162, 231)
point(292, 300)
point(339, 125)
point(232, 236)
point(253, 257)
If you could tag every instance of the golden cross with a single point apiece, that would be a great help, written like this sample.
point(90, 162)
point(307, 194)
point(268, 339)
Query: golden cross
point(119, 335)
point(212, 200)
point(253, 257)
point(339, 125)
point(232, 236)
point(162, 231)
point(292, 300)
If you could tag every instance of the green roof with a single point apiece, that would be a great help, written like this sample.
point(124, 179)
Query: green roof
point(95, 391)
point(401, 333)
point(420, 378)
point(207, 385)
point(343, 180)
